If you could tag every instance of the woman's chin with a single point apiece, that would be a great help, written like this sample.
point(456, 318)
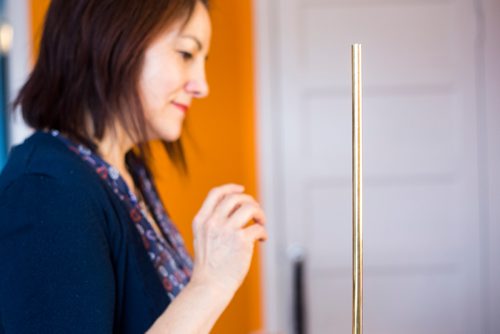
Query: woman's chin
point(169, 135)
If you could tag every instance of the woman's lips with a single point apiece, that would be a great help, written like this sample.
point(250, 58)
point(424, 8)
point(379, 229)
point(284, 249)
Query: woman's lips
point(182, 107)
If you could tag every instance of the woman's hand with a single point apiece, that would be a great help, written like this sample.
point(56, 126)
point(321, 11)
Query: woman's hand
point(223, 245)
point(223, 242)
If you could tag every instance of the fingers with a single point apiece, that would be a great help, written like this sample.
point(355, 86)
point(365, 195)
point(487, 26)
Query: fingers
point(228, 206)
point(256, 232)
point(214, 197)
point(231, 203)
point(245, 213)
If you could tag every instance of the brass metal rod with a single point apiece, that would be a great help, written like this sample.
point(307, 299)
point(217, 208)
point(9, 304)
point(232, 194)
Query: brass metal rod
point(357, 192)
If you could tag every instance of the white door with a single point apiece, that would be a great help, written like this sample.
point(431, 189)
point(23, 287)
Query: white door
point(421, 217)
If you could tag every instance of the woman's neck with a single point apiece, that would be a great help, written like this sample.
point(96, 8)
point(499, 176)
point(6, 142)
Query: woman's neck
point(113, 147)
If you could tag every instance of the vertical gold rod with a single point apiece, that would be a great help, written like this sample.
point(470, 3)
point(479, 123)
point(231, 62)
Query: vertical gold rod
point(357, 192)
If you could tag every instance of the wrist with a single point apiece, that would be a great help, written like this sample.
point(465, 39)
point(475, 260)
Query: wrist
point(212, 284)
point(196, 309)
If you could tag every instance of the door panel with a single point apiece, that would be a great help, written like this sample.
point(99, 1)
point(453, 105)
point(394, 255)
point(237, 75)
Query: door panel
point(396, 301)
point(409, 42)
point(421, 135)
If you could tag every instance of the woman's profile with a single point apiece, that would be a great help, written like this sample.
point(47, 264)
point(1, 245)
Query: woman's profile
point(86, 245)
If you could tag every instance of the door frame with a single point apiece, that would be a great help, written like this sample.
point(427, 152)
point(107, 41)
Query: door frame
point(267, 81)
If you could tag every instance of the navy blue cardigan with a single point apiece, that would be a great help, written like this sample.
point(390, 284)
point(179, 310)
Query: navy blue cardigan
point(70, 259)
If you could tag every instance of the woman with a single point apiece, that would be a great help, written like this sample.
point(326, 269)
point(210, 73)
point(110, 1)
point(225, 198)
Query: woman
point(85, 244)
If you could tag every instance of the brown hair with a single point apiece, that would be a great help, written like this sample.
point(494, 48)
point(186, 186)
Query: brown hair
point(91, 55)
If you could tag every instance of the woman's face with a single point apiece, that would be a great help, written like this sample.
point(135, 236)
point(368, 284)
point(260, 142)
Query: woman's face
point(173, 74)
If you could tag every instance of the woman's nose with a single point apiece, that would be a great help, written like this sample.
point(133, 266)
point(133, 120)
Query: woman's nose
point(198, 85)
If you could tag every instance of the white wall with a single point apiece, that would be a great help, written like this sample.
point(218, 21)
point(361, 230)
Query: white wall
point(17, 12)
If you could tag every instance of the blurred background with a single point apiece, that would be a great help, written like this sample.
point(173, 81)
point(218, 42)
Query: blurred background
point(278, 120)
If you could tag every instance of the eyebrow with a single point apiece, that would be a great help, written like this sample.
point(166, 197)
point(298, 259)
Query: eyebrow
point(196, 40)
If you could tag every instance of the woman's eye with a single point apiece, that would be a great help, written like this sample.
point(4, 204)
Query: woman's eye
point(186, 55)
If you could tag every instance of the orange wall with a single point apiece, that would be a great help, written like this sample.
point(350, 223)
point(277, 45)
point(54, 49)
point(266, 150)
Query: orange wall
point(221, 145)
point(38, 8)
point(220, 142)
